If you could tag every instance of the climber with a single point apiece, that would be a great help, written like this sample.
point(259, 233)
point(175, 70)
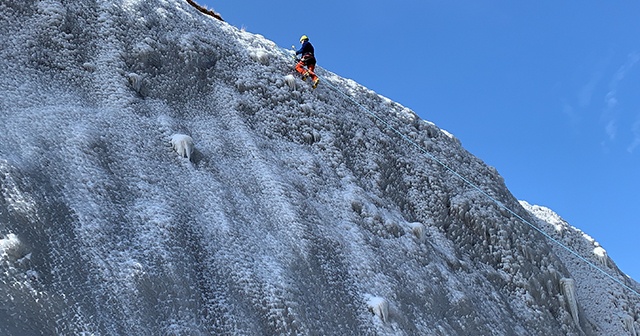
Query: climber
point(307, 60)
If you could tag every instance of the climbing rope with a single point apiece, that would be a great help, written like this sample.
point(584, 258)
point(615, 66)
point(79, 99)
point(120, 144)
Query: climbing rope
point(474, 186)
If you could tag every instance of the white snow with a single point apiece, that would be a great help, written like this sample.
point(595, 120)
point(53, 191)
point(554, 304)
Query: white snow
point(260, 56)
point(182, 144)
point(378, 306)
point(8, 244)
point(601, 254)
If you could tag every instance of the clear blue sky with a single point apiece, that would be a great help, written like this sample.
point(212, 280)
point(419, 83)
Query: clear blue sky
point(548, 92)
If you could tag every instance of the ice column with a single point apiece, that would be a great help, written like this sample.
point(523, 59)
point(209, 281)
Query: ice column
point(182, 144)
point(378, 306)
point(601, 255)
point(569, 291)
point(629, 324)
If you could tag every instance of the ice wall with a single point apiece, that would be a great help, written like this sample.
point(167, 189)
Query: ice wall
point(295, 214)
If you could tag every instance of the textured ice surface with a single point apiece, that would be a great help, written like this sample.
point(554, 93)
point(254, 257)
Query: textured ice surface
point(297, 214)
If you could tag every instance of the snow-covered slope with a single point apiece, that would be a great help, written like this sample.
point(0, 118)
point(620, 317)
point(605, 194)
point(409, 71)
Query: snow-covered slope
point(295, 213)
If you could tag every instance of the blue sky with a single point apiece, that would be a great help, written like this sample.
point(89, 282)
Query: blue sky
point(547, 92)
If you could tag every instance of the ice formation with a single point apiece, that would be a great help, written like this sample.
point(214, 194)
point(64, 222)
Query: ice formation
point(379, 307)
point(183, 145)
point(8, 245)
point(569, 292)
point(601, 255)
point(291, 81)
point(294, 192)
point(260, 56)
point(629, 323)
point(135, 81)
point(417, 229)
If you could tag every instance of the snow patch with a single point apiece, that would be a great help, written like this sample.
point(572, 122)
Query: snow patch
point(183, 145)
point(449, 135)
point(378, 306)
point(546, 215)
point(291, 81)
point(8, 245)
point(601, 255)
point(588, 238)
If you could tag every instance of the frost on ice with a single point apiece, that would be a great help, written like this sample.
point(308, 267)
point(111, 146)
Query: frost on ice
point(288, 178)
point(183, 145)
point(291, 81)
point(601, 255)
point(569, 292)
point(260, 56)
point(8, 245)
point(417, 229)
point(629, 324)
point(378, 306)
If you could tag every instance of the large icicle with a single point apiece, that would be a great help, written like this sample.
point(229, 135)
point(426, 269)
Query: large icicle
point(629, 324)
point(569, 291)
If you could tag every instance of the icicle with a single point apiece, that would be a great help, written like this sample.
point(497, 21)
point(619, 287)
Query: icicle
point(601, 255)
point(182, 144)
point(291, 81)
point(379, 307)
point(417, 229)
point(260, 56)
point(135, 81)
point(629, 324)
point(569, 291)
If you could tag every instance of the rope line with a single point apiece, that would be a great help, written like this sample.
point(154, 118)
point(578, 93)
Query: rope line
point(474, 186)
